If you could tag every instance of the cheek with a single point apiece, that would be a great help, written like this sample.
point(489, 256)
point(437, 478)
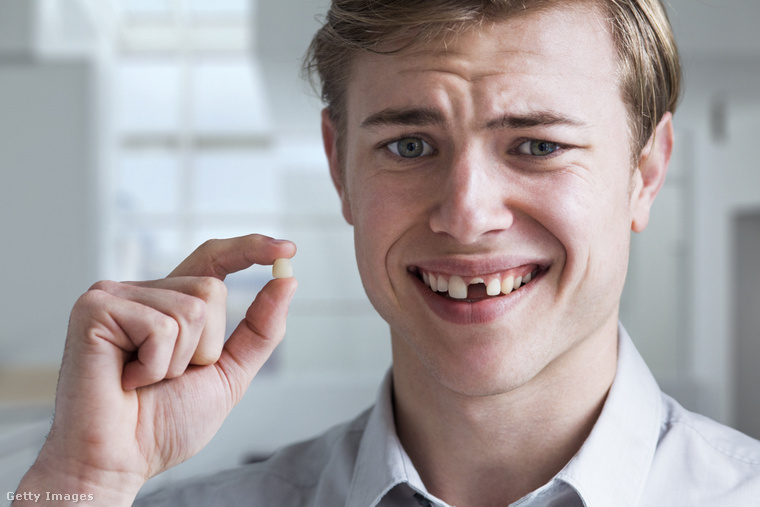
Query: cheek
point(382, 212)
point(384, 204)
point(587, 215)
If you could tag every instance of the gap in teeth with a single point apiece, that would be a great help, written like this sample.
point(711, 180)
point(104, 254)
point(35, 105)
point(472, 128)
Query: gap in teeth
point(456, 286)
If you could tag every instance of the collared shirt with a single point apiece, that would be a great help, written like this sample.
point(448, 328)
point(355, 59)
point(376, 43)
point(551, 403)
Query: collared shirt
point(644, 450)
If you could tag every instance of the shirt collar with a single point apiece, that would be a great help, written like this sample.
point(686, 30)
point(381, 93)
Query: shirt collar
point(382, 462)
point(610, 468)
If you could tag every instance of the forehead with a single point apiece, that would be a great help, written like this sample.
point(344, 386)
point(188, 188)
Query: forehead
point(556, 58)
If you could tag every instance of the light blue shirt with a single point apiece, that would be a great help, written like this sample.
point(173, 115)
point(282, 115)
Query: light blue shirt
point(644, 450)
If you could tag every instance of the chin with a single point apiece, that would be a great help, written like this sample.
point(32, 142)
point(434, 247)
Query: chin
point(485, 367)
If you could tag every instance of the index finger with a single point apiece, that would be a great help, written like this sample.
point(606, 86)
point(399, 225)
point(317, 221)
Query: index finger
point(220, 257)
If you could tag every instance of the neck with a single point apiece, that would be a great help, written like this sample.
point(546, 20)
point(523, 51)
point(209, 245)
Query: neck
point(495, 449)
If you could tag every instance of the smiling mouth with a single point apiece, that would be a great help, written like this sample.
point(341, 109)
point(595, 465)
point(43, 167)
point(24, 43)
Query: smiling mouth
point(472, 289)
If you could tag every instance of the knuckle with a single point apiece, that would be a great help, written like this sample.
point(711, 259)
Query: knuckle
point(209, 288)
point(210, 245)
point(194, 311)
point(87, 320)
point(93, 298)
point(166, 326)
point(104, 286)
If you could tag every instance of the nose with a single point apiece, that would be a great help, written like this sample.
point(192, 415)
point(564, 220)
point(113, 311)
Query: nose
point(471, 199)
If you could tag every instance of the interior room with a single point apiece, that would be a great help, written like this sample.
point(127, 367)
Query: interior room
point(133, 130)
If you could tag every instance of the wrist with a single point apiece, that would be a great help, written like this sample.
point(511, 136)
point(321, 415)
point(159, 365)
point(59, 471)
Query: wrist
point(63, 482)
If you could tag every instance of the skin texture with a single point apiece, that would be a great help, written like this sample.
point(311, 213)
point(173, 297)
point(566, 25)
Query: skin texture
point(120, 421)
point(492, 397)
point(529, 370)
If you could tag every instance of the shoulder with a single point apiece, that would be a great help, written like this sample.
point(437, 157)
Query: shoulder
point(296, 475)
point(700, 460)
point(709, 436)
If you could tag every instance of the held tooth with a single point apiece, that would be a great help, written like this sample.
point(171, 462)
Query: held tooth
point(476, 280)
point(281, 268)
point(433, 283)
point(508, 284)
point(457, 288)
point(527, 278)
point(518, 282)
point(494, 287)
point(426, 278)
point(443, 284)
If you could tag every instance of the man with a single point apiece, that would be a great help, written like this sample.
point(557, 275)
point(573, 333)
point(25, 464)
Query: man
point(493, 158)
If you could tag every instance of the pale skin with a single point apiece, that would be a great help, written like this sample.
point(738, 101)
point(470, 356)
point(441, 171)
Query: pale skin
point(489, 405)
point(492, 403)
point(118, 421)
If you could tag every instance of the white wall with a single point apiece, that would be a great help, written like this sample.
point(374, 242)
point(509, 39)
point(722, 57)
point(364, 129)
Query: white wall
point(283, 32)
point(17, 27)
point(716, 28)
point(728, 181)
point(332, 326)
point(47, 217)
point(717, 174)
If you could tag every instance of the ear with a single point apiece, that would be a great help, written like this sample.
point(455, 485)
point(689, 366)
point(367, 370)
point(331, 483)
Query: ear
point(330, 141)
point(650, 174)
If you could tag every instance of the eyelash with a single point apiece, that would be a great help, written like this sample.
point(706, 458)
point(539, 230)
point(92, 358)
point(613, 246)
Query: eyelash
point(385, 146)
point(561, 148)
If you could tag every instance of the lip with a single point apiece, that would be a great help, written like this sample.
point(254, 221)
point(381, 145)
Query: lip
point(480, 312)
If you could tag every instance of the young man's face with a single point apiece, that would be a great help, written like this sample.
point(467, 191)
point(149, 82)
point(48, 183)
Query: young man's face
point(505, 153)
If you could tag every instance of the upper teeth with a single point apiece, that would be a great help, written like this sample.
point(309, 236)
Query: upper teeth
point(456, 286)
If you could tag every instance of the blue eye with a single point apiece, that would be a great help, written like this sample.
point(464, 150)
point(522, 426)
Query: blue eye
point(410, 147)
point(538, 148)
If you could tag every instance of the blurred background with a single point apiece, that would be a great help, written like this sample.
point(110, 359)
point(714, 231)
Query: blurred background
point(133, 130)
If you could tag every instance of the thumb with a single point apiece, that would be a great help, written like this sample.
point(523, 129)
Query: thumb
point(257, 335)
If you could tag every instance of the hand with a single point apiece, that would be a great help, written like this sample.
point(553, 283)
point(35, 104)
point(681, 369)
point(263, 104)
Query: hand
point(147, 379)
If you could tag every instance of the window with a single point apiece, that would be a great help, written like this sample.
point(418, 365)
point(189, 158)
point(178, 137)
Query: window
point(192, 154)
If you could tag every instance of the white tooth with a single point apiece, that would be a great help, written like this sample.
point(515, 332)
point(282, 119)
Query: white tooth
point(443, 284)
point(527, 278)
point(508, 284)
point(518, 282)
point(494, 287)
point(457, 288)
point(433, 283)
point(426, 278)
point(282, 268)
point(476, 280)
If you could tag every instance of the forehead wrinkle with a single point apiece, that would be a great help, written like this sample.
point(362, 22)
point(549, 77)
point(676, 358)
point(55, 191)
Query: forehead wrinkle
point(457, 73)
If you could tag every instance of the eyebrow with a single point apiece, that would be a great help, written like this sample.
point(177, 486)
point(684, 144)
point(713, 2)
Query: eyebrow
point(417, 117)
point(421, 117)
point(537, 119)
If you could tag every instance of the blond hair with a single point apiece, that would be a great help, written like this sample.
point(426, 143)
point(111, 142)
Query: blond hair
point(649, 66)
